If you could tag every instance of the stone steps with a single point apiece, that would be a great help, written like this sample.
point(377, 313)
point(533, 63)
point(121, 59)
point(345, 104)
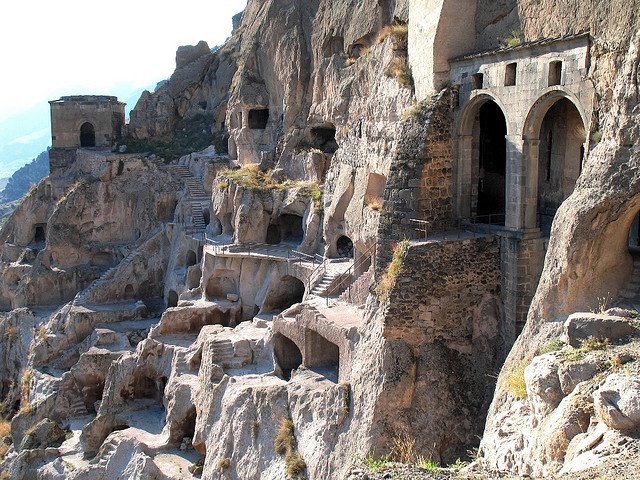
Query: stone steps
point(106, 450)
point(77, 408)
point(629, 296)
point(223, 351)
point(323, 287)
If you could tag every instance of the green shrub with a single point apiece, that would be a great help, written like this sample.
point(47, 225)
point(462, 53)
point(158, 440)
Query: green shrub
point(552, 346)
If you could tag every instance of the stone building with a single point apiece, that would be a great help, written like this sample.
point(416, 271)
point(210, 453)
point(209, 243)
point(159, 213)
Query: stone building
point(83, 121)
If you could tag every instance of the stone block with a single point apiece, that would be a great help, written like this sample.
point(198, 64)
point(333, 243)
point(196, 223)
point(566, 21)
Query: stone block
point(580, 326)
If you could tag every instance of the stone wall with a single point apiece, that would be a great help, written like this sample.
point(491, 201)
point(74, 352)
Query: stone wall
point(444, 324)
point(419, 185)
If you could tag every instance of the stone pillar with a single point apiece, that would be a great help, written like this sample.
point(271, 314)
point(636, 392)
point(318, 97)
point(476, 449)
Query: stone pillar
point(515, 184)
point(531, 151)
point(522, 258)
point(465, 176)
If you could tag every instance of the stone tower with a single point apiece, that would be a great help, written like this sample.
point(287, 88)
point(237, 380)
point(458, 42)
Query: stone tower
point(83, 121)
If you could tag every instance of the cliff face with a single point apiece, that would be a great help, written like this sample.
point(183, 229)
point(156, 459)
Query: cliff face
point(256, 313)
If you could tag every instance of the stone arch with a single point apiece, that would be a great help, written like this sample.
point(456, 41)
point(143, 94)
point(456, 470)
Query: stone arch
point(274, 235)
point(291, 228)
point(221, 284)
point(344, 246)
point(283, 293)
point(87, 135)
point(40, 233)
point(482, 155)
point(555, 139)
point(172, 299)
point(287, 354)
point(190, 258)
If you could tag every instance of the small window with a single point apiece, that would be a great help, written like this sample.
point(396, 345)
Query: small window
point(477, 81)
point(510, 75)
point(258, 119)
point(555, 73)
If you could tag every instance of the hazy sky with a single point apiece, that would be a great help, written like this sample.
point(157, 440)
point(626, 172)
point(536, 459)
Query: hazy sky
point(54, 47)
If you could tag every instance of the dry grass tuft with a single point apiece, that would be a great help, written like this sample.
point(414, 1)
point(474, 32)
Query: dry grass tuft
point(286, 446)
point(388, 280)
point(514, 381)
point(399, 69)
point(373, 202)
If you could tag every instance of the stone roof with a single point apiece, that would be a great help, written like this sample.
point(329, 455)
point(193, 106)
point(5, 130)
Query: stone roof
point(521, 46)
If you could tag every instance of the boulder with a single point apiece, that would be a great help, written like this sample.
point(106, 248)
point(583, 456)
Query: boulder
point(580, 326)
point(617, 402)
point(45, 433)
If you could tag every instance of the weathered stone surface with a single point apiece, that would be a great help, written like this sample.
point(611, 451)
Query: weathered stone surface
point(580, 326)
point(617, 402)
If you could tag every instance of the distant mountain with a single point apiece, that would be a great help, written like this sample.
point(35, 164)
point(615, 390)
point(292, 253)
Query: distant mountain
point(3, 183)
point(23, 178)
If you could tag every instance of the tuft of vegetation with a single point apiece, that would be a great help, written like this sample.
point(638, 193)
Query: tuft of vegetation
point(593, 343)
point(373, 202)
point(224, 463)
point(427, 464)
point(514, 381)
point(376, 464)
point(255, 428)
point(399, 69)
point(5, 431)
point(251, 177)
point(402, 448)
point(513, 40)
point(286, 446)
point(388, 280)
point(399, 31)
point(553, 346)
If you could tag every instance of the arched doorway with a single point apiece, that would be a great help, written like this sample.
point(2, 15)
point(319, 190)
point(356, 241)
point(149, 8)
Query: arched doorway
point(287, 353)
point(283, 294)
point(191, 258)
point(560, 154)
point(87, 135)
point(491, 130)
point(344, 247)
point(172, 299)
point(482, 166)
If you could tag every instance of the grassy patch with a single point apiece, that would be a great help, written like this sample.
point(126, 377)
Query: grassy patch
point(190, 136)
point(5, 431)
point(286, 446)
point(513, 40)
point(427, 464)
point(388, 280)
point(586, 345)
point(552, 346)
point(514, 381)
point(224, 464)
point(373, 202)
point(376, 464)
point(402, 448)
point(251, 177)
point(399, 31)
point(399, 69)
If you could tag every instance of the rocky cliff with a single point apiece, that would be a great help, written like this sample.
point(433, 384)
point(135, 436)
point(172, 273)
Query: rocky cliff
point(319, 287)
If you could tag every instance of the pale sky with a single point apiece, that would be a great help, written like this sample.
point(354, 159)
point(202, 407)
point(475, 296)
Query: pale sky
point(54, 47)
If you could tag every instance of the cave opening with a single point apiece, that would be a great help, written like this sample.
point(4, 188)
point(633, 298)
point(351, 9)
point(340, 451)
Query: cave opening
point(87, 135)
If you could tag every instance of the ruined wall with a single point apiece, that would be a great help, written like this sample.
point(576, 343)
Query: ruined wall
point(444, 318)
point(420, 179)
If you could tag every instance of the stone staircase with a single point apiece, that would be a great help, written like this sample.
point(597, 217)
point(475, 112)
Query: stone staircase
point(323, 287)
point(196, 196)
point(107, 449)
point(82, 296)
point(223, 351)
point(77, 407)
point(629, 296)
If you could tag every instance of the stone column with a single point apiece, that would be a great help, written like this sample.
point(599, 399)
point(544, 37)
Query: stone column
point(531, 151)
point(515, 184)
point(465, 177)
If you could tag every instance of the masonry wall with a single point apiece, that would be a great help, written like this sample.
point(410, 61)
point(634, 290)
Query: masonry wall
point(441, 285)
point(444, 319)
point(420, 181)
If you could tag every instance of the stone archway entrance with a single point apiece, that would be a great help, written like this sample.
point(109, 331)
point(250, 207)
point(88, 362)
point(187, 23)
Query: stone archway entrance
point(344, 247)
point(482, 162)
point(491, 130)
point(560, 154)
point(87, 135)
